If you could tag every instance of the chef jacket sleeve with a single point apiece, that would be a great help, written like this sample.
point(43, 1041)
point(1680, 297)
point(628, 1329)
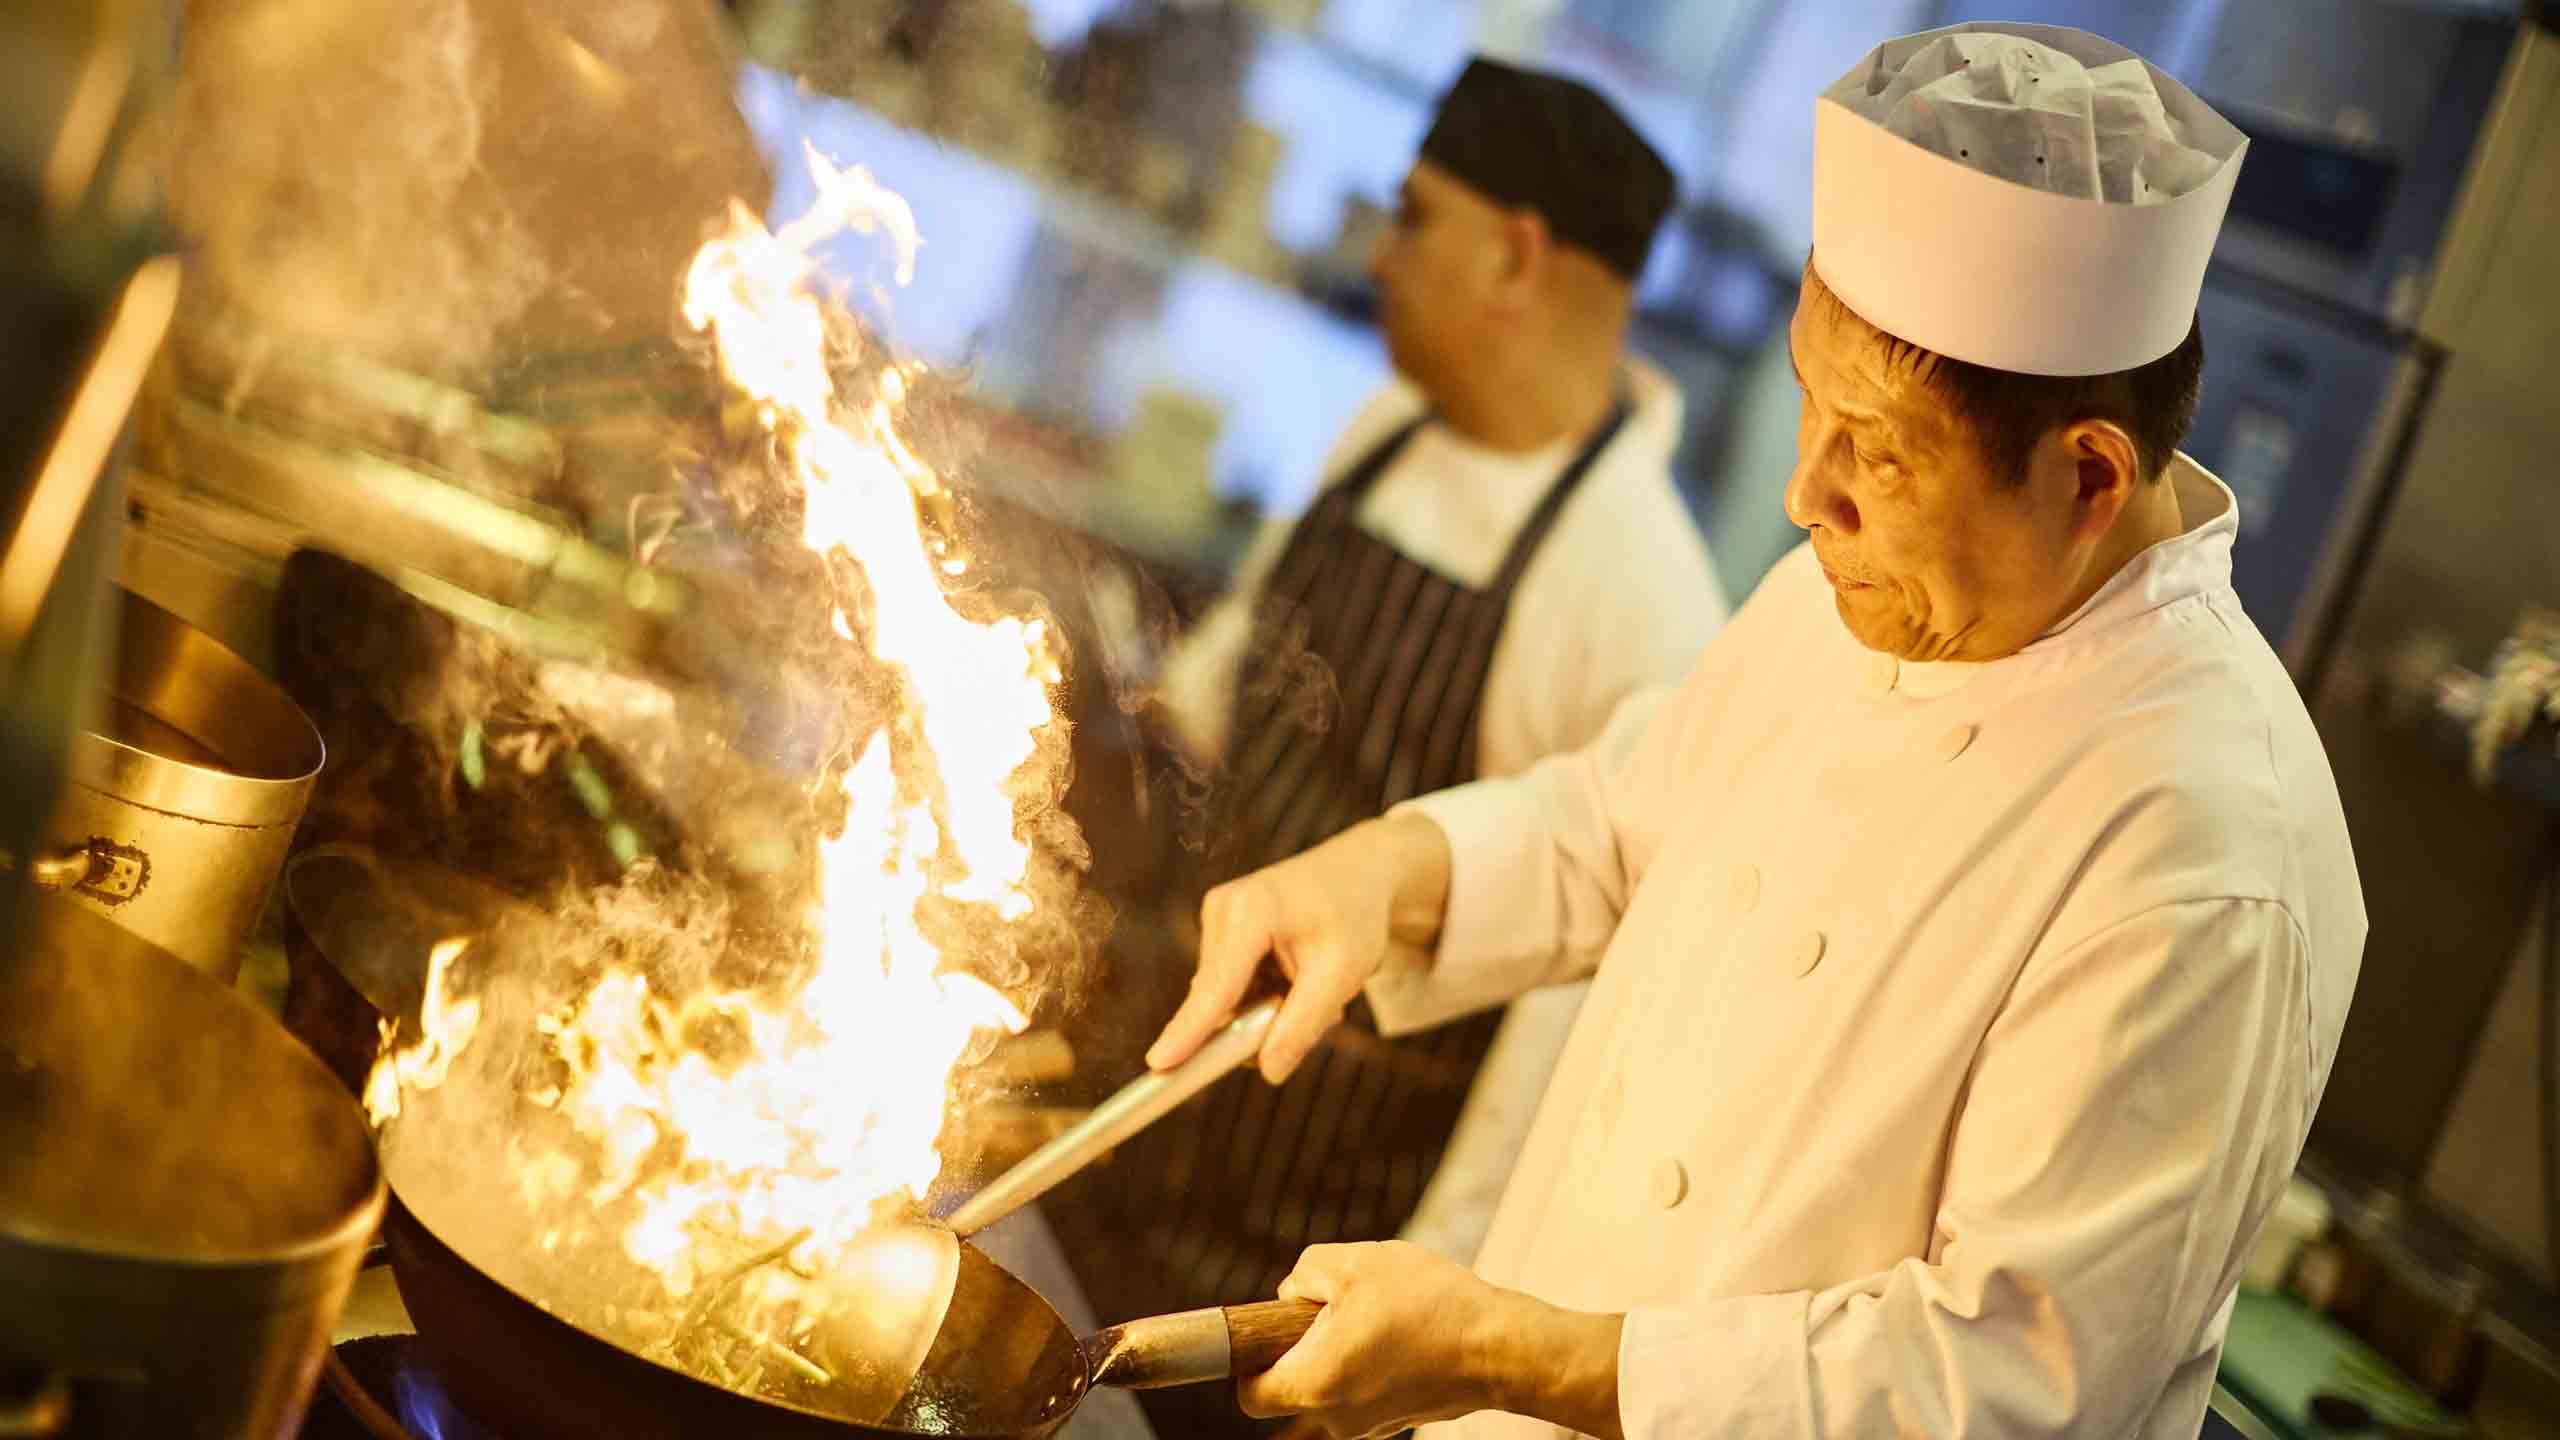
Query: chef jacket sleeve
point(1544, 862)
point(2133, 1113)
point(1541, 868)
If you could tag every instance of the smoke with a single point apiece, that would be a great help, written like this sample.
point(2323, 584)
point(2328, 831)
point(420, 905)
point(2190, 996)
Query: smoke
point(443, 185)
point(332, 185)
point(754, 1079)
point(447, 188)
point(453, 188)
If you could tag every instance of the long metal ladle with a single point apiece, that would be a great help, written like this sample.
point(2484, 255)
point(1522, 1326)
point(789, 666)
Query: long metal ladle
point(1133, 1108)
point(909, 1271)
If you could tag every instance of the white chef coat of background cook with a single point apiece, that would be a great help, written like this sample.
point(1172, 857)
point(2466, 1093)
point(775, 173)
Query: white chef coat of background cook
point(1955, 1026)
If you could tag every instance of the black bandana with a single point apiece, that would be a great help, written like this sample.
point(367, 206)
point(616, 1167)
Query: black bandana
point(1544, 143)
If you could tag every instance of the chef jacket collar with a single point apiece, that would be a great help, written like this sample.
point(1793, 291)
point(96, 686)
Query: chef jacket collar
point(2196, 561)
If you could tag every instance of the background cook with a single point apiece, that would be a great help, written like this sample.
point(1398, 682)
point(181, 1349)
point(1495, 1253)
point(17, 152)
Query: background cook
point(1498, 560)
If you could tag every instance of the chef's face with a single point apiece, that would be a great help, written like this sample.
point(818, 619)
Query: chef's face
point(1440, 270)
point(1930, 555)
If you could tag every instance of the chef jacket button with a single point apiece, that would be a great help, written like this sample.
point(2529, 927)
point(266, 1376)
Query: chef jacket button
point(1882, 671)
point(1670, 1182)
point(1953, 743)
point(1746, 888)
point(1809, 952)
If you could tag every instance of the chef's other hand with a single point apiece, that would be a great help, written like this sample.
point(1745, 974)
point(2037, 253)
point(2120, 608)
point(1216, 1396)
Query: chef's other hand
point(1402, 1341)
point(1407, 1338)
point(1329, 917)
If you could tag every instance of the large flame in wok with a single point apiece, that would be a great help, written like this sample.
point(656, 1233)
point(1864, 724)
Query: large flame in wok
point(821, 1108)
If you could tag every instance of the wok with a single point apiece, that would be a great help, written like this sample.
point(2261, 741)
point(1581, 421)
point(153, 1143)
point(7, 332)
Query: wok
point(526, 1337)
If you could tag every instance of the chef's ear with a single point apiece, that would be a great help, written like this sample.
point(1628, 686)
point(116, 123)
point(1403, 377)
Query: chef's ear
point(2107, 469)
point(1528, 247)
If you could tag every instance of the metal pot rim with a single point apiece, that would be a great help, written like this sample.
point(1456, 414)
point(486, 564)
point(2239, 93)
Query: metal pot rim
point(135, 776)
point(351, 1231)
point(74, 968)
point(247, 793)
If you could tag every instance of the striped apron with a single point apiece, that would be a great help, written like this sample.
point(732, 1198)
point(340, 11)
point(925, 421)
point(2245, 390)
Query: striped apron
point(1361, 689)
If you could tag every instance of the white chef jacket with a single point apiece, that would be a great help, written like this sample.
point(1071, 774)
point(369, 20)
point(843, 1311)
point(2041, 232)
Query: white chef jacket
point(1618, 600)
point(1955, 1026)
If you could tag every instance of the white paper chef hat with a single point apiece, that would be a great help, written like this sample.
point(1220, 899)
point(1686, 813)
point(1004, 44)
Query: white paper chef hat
point(2026, 197)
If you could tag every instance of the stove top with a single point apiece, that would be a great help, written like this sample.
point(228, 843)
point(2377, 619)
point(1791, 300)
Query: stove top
point(395, 1382)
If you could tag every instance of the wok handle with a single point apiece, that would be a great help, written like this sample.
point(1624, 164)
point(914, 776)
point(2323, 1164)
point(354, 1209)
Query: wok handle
point(1198, 1345)
point(1258, 1335)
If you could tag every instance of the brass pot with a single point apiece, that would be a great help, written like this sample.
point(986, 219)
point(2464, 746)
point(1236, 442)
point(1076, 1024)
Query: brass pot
point(180, 805)
point(185, 1200)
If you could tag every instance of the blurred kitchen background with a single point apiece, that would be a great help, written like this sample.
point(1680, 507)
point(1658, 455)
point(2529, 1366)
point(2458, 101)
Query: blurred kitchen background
point(1146, 221)
point(1143, 229)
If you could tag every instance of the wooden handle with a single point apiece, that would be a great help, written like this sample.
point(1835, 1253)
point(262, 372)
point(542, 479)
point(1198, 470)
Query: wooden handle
point(1197, 1345)
point(1258, 1335)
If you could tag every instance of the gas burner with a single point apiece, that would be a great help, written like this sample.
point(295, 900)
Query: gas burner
point(397, 1385)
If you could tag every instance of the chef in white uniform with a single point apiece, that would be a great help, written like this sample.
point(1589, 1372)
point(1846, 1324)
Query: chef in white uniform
point(1973, 931)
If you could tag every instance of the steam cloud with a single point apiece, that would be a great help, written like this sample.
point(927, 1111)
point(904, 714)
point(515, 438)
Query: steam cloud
point(442, 184)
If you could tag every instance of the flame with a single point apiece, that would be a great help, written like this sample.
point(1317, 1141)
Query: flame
point(981, 691)
point(839, 1110)
point(841, 1105)
point(446, 1023)
point(780, 1123)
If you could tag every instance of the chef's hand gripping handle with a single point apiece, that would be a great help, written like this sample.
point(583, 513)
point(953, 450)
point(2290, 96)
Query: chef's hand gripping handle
point(1198, 1345)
